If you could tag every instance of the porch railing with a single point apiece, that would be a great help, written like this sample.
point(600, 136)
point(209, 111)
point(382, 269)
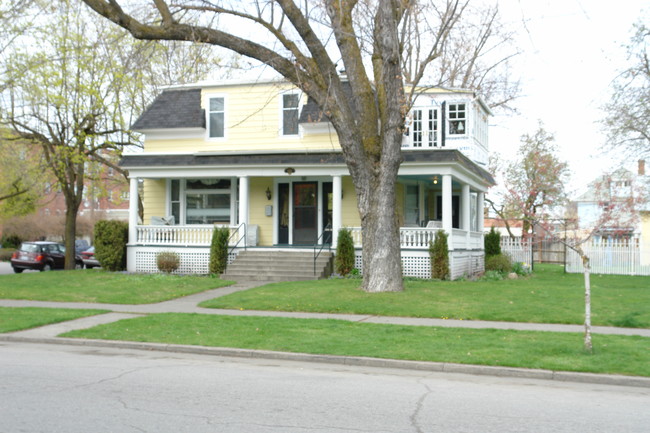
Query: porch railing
point(194, 235)
point(416, 237)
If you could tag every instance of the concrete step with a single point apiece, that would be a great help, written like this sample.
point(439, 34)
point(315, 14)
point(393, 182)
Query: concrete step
point(260, 265)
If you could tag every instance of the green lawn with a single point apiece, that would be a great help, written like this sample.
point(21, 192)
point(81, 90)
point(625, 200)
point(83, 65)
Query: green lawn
point(548, 296)
point(16, 319)
point(545, 350)
point(103, 287)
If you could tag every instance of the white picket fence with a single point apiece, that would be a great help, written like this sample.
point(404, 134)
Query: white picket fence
point(620, 258)
point(518, 249)
point(628, 257)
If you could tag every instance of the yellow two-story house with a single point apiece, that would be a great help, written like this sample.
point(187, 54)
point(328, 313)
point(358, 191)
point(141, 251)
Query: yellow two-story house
point(261, 158)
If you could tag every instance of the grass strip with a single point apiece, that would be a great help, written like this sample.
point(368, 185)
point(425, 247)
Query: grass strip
point(548, 296)
point(98, 286)
point(19, 318)
point(543, 350)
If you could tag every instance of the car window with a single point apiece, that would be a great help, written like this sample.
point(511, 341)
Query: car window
point(30, 248)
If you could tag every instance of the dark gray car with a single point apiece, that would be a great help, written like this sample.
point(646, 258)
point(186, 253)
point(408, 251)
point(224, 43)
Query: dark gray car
point(40, 256)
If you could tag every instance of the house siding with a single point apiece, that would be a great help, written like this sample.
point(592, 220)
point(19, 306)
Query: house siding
point(349, 212)
point(154, 200)
point(257, 216)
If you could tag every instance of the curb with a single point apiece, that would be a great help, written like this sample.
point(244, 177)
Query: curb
point(355, 361)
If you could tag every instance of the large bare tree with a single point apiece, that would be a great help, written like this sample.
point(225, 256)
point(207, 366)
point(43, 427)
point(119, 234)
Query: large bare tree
point(308, 42)
point(628, 111)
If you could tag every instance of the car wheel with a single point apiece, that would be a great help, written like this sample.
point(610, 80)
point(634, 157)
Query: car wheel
point(18, 270)
point(46, 268)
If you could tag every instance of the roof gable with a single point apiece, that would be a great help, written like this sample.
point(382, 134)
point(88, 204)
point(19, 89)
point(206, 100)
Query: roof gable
point(173, 109)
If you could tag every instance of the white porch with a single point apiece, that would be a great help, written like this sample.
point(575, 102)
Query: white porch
point(295, 206)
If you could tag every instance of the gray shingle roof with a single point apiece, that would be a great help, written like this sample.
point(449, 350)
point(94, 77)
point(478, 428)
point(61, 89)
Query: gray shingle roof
point(144, 160)
point(312, 113)
point(173, 109)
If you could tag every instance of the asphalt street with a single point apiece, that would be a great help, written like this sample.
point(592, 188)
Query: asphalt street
point(59, 388)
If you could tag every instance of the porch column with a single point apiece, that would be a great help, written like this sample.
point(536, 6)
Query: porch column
point(465, 209)
point(447, 209)
point(480, 212)
point(133, 210)
point(336, 207)
point(465, 213)
point(243, 200)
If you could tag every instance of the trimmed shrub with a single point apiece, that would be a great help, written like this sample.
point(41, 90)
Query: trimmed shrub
point(344, 261)
point(500, 263)
point(168, 261)
point(492, 243)
point(111, 238)
point(11, 241)
point(439, 253)
point(6, 253)
point(219, 250)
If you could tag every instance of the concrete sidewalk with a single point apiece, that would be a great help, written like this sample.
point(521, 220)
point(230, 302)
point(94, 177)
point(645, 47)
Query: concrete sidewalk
point(189, 304)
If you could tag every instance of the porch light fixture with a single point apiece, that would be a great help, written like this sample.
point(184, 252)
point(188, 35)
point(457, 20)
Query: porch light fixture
point(289, 171)
point(435, 180)
point(268, 193)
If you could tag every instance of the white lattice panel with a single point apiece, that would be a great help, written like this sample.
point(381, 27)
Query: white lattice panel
point(417, 264)
point(193, 260)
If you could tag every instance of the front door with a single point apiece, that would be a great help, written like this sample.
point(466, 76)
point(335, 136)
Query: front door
point(305, 213)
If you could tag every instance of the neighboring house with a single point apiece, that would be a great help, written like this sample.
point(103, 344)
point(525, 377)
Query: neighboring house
point(516, 226)
point(261, 158)
point(624, 189)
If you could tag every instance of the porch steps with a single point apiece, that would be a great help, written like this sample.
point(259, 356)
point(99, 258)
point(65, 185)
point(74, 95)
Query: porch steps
point(260, 265)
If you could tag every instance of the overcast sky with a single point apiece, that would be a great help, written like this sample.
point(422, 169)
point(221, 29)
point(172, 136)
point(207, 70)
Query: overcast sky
point(572, 49)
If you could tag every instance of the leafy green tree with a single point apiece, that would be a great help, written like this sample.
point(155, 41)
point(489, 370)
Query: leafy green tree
point(76, 93)
point(534, 182)
point(20, 176)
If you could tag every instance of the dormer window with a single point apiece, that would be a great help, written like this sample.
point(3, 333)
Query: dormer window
point(290, 103)
point(457, 116)
point(217, 117)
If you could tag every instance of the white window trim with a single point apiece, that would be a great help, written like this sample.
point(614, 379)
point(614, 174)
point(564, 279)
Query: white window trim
point(182, 198)
point(468, 119)
point(207, 116)
point(437, 142)
point(281, 114)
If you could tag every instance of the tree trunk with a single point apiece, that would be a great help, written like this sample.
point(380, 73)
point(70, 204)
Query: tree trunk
point(587, 268)
point(382, 261)
point(70, 236)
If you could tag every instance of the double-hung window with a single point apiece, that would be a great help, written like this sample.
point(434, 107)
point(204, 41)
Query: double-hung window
point(457, 115)
point(217, 117)
point(201, 201)
point(290, 104)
